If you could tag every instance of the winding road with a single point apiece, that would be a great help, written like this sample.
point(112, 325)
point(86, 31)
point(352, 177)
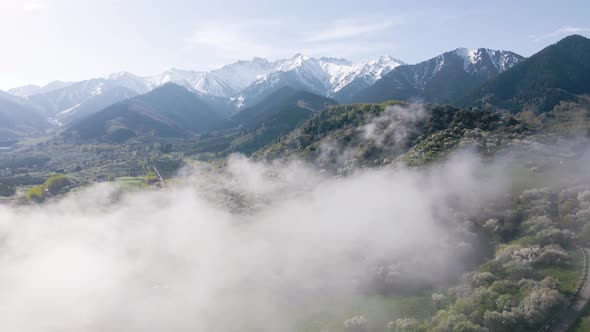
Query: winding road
point(160, 178)
point(565, 319)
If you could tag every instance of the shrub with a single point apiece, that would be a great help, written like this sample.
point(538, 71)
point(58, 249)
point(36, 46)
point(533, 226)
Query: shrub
point(36, 194)
point(57, 183)
point(151, 177)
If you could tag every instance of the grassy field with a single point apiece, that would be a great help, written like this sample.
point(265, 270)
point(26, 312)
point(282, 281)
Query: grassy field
point(568, 277)
point(32, 141)
point(131, 182)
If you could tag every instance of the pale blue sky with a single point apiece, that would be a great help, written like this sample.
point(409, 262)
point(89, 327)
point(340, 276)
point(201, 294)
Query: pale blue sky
point(44, 40)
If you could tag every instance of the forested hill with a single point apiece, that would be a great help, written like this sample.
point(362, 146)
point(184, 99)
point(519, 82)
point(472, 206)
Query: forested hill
point(373, 134)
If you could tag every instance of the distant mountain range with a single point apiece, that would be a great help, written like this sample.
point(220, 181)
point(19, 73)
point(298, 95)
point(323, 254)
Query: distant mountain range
point(241, 84)
point(235, 86)
point(172, 111)
point(124, 105)
point(246, 83)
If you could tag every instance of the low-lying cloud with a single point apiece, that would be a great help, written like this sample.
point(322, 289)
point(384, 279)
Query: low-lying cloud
point(395, 124)
point(255, 247)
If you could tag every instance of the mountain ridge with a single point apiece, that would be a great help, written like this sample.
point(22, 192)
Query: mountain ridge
point(559, 72)
point(169, 111)
point(442, 79)
point(18, 117)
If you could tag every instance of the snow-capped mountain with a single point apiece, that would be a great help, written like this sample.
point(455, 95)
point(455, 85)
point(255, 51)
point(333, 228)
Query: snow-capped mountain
point(79, 99)
point(223, 82)
point(481, 63)
point(186, 78)
point(369, 71)
point(558, 73)
point(245, 82)
point(478, 60)
point(241, 74)
point(64, 102)
point(29, 90)
point(130, 81)
point(324, 76)
point(442, 79)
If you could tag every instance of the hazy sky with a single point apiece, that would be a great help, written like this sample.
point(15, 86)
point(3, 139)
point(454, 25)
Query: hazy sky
point(44, 40)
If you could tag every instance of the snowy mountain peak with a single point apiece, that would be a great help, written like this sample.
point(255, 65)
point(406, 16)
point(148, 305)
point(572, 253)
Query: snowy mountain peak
point(325, 76)
point(260, 60)
point(503, 60)
point(29, 90)
point(389, 60)
point(297, 60)
point(466, 53)
point(299, 56)
point(470, 57)
point(480, 63)
point(175, 75)
point(130, 81)
point(339, 61)
point(121, 75)
point(475, 59)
